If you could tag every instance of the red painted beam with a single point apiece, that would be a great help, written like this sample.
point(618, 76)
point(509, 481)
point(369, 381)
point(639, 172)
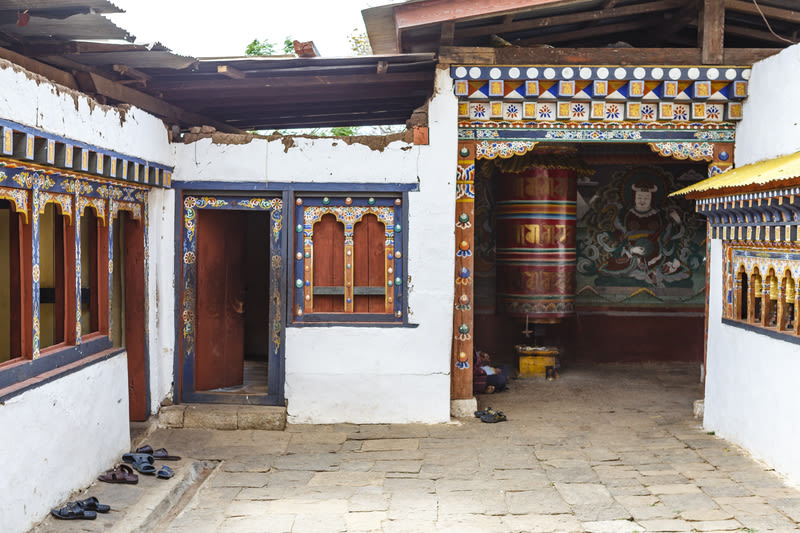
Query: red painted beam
point(437, 11)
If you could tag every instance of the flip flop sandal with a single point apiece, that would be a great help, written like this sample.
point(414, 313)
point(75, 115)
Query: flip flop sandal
point(138, 458)
point(165, 472)
point(93, 504)
point(73, 511)
point(120, 474)
point(488, 410)
point(491, 418)
point(160, 453)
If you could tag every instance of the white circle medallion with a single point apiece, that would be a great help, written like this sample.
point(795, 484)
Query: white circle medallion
point(532, 73)
point(549, 73)
point(461, 72)
point(730, 74)
point(657, 73)
point(475, 72)
point(620, 73)
point(513, 72)
point(586, 73)
point(567, 73)
point(602, 73)
point(638, 73)
point(746, 74)
point(674, 73)
point(494, 73)
point(712, 73)
point(694, 73)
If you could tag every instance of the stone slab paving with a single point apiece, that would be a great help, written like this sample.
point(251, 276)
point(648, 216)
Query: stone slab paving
point(605, 449)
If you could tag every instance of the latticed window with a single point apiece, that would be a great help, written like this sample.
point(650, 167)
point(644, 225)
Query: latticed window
point(349, 259)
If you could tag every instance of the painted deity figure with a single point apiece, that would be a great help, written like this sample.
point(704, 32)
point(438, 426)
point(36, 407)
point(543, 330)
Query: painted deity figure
point(644, 242)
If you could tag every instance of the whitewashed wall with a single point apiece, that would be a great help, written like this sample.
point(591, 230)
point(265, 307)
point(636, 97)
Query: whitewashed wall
point(66, 432)
point(771, 114)
point(61, 436)
point(752, 398)
point(161, 294)
point(363, 374)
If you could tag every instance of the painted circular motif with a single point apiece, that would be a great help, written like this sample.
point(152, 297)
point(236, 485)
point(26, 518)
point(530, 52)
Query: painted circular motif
point(712, 73)
point(567, 73)
point(464, 299)
point(299, 256)
point(326, 201)
point(398, 201)
point(299, 201)
point(463, 217)
point(723, 156)
point(308, 254)
point(461, 72)
point(399, 314)
point(602, 73)
point(397, 228)
point(299, 312)
point(349, 300)
point(299, 228)
point(693, 73)
point(308, 297)
point(730, 74)
point(549, 73)
point(463, 328)
point(746, 74)
point(639, 73)
point(674, 73)
point(464, 245)
point(308, 283)
point(390, 283)
point(298, 283)
point(532, 72)
point(390, 270)
point(494, 73)
point(620, 73)
point(464, 151)
point(513, 73)
point(585, 73)
point(657, 73)
point(348, 201)
point(349, 265)
point(398, 281)
point(475, 72)
point(371, 201)
point(462, 356)
point(397, 254)
point(464, 272)
point(349, 252)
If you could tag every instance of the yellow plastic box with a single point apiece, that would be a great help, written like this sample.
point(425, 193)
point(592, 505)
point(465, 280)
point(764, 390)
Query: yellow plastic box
point(536, 364)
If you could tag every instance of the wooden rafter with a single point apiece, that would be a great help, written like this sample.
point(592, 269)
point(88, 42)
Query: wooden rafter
point(593, 31)
point(231, 72)
point(413, 14)
point(776, 13)
point(573, 18)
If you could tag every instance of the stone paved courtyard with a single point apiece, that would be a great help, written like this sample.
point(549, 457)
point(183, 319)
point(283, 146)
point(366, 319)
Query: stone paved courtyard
point(603, 449)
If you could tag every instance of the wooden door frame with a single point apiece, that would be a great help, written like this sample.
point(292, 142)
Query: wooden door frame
point(187, 205)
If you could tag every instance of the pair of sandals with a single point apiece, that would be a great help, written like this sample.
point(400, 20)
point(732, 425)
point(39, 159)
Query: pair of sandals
point(143, 463)
point(490, 416)
point(81, 510)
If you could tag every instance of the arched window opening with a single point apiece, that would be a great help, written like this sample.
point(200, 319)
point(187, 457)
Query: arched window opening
point(756, 296)
point(772, 302)
point(788, 301)
point(741, 296)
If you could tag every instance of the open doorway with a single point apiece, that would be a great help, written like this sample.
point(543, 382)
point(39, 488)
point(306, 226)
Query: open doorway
point(233, 250)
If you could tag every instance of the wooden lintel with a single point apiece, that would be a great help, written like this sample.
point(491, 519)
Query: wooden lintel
point(57, 75)
point(573, 18)
point(151, 104)
point(457, 55)
point(595, 31)
point(131, 72)
point(231, 72)
point(711, 31)
point(776, 13)
point(414, 14)
point(756, 34)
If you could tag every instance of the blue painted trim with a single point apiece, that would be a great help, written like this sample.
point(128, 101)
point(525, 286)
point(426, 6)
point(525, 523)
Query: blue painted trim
point(343, 188)
point(587, 73)
point(79, 144)
point(779, 335)
point(638, 134)
point(24, 370)
point(177, 291)
point(334, 321)
point(35, 384)
point(232, 399)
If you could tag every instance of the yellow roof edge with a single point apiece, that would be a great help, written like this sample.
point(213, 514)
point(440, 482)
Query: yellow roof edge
point(760, 173)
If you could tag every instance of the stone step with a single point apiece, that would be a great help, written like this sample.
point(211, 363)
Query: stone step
point(216, 416)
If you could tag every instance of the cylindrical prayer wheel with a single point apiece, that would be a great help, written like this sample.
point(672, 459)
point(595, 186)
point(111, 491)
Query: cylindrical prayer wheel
point(535, 223)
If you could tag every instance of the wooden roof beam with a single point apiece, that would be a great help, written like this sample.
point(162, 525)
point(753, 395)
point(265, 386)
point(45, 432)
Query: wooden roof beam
point(231, 72)
point(57, 75)
point(594, 31)
point(776, 13)
point(431, 12)
point(758, 35)
point(572, 18)
point(461, 55)
point(131, 72)
point(711, 31)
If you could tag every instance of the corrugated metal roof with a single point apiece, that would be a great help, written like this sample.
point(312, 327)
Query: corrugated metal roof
point(763, 174)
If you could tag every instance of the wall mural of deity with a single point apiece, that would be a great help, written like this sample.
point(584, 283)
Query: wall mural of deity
point(635, 245)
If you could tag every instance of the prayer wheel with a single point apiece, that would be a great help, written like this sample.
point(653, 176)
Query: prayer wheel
point(535, 224)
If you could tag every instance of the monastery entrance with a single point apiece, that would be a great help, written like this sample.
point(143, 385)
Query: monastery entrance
point(566, 235)
point(231, 314)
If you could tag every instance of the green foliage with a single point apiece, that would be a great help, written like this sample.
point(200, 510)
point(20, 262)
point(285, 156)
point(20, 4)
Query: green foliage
point(359, 43)
point(343, 131)
point(265, 47)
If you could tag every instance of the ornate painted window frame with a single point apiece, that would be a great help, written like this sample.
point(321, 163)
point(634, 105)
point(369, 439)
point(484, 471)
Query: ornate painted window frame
point(30, 188)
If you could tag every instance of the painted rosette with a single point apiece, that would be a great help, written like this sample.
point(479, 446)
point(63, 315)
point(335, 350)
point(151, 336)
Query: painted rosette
point(536, 243)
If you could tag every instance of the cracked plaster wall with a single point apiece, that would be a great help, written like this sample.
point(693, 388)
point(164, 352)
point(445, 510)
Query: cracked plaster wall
point(366, 374)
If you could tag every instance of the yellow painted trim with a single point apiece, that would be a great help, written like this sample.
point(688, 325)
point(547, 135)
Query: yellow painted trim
point(761, 173)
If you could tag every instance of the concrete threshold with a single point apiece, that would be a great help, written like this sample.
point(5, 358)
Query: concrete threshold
point(223, 416)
